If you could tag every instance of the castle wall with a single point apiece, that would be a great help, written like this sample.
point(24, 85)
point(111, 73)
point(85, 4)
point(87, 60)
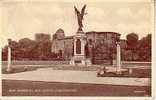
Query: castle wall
point(104, 46)
point(65, 45)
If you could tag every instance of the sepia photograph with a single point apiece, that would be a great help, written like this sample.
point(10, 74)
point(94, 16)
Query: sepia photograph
point(77, 48)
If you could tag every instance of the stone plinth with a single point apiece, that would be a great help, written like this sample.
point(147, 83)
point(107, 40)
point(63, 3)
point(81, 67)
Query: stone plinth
point(79, 49)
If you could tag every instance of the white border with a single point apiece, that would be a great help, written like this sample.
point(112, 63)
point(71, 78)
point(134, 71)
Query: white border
point(87, 98)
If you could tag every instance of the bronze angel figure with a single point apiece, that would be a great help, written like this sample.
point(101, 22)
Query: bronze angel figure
point(80, 17)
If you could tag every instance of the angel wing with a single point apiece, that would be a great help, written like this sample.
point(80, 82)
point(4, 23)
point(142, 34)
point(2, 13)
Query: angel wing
point(76, 10)
point(83, 10)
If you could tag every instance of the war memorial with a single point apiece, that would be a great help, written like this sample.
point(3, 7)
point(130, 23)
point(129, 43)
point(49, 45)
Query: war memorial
point(93, 68)
point(82, 45)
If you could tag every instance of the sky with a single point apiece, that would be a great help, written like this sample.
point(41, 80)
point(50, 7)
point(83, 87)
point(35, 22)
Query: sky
point(22, 19)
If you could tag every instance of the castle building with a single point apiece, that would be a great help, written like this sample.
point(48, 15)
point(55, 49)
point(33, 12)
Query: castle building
point(62, 45)
point(100, 46)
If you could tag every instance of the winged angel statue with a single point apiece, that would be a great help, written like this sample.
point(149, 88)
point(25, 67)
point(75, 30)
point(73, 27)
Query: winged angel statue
point(80, 17)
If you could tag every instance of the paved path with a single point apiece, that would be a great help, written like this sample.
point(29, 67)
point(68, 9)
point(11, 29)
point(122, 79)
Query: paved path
point(49, 75)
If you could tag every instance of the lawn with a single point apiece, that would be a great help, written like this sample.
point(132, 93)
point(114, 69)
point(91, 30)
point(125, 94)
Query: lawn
point(40, 88)
point(137, 72)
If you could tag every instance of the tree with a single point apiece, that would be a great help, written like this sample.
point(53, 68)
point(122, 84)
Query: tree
point(145, 48)
point(4, 53)
point(26, 47)
point(15, 50)
point(132, 43)
point(44, 46)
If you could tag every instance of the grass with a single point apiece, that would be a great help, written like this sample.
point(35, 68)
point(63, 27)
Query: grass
point(137, 73)
point(18, 69)
point(23, 68)
point(38, 88)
